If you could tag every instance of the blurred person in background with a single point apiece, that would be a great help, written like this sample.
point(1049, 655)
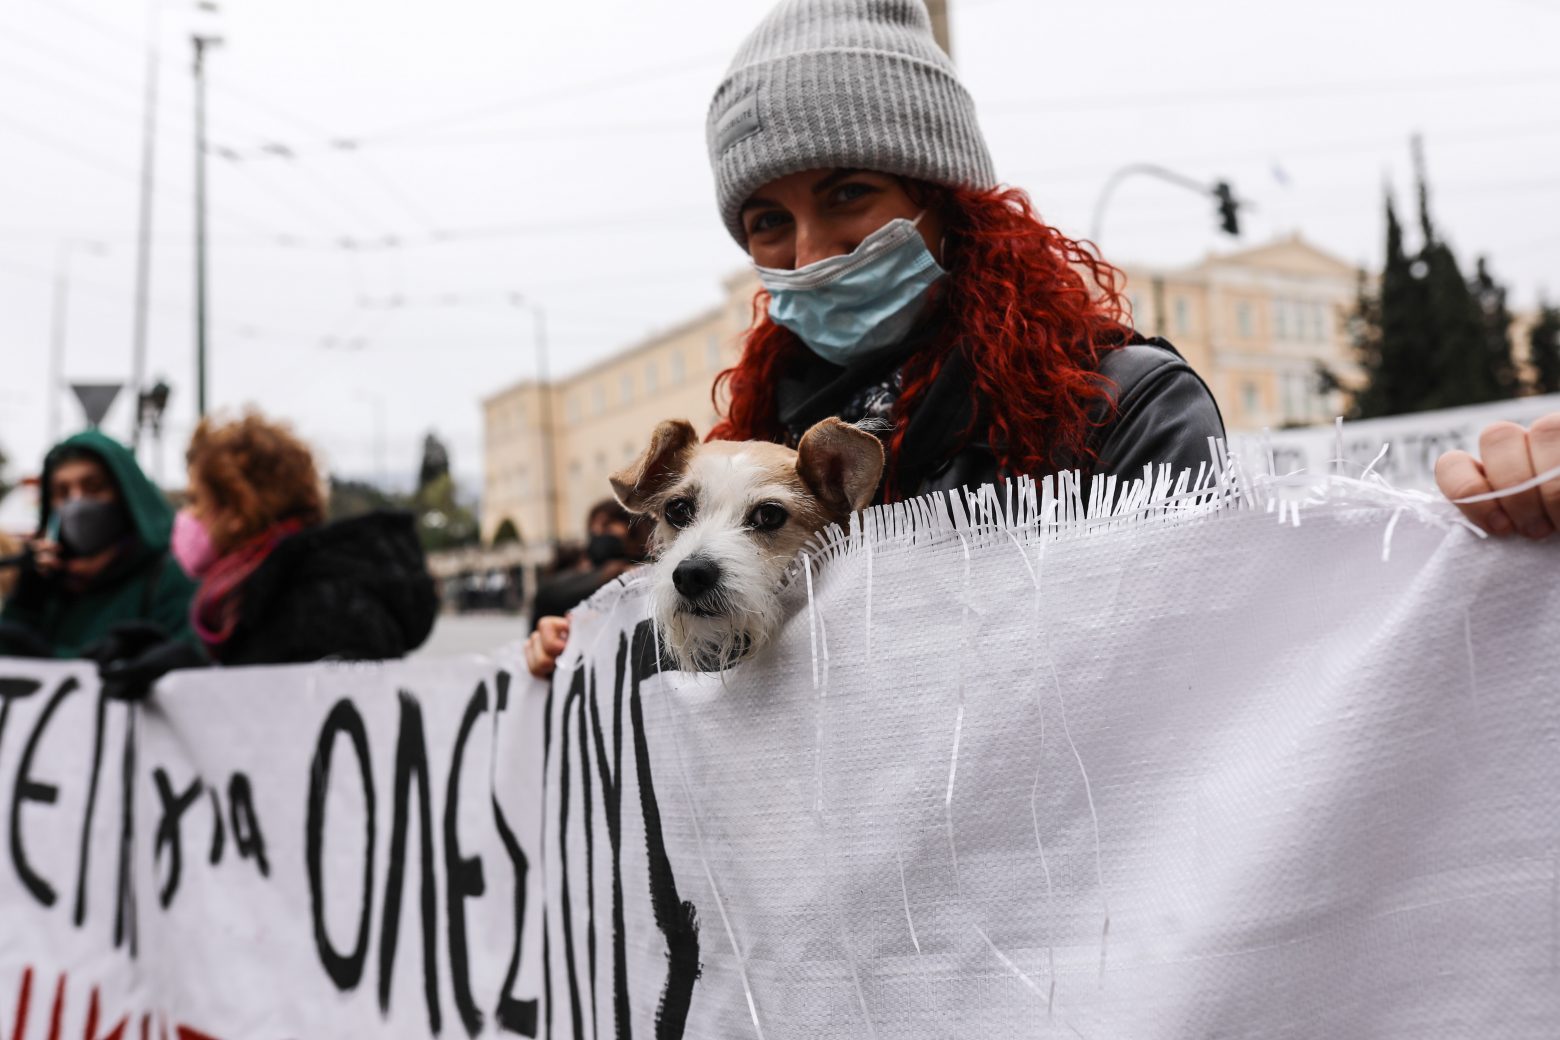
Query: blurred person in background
point(97, 579)
point(10, 549)
point(278, 584)
point(616, 545)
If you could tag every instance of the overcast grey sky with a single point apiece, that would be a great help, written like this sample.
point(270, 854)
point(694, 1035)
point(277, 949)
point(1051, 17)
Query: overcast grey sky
point(556, 150)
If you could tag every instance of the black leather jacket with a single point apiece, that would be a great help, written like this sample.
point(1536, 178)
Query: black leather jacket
point(1163, 413)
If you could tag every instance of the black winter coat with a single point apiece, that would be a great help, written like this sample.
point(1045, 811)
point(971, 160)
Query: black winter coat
point(1164, 413)
point(356, 590)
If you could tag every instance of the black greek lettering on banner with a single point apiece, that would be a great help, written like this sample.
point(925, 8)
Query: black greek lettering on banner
point(246, 825)
point(411, 763)
point(84, 858)
point(566, 903)
point(677, 919)
point(29, 790)
point(174, 806)
point(345, 971)
point(514, 1016)
point(465, 873)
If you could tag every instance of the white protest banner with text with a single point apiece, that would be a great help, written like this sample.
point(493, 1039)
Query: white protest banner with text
point(1209, 778)
point(321, 851)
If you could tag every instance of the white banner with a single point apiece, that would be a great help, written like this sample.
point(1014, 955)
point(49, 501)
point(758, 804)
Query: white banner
point(1152, 777)
point(1413, 442)
point(1170, 780)
point(322, 851)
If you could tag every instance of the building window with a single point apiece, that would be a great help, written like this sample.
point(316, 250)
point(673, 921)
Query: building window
point(1248, 397)
point(1281, 319)
point(712, 351)
point(574, 408)
point(652, 377)
point(626, 388)
point(1245, 322)
point(1183, 316)
point(598, 399)
point(679, 370)
point(1318, 323)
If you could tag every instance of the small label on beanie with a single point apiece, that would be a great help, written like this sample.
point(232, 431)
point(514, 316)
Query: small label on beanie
point(738, 121)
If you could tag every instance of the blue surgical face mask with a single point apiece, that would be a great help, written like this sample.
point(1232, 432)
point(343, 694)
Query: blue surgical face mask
point(849, 307)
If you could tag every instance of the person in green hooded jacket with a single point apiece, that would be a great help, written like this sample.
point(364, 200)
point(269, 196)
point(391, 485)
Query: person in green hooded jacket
point(100, 581)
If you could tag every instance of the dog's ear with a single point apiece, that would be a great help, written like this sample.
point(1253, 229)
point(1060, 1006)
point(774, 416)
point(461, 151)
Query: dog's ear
point(841, 464)
point(670, 446)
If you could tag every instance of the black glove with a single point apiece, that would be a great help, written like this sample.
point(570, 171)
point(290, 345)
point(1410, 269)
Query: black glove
point(17, 640)
point(125, 639)
point(131, 678)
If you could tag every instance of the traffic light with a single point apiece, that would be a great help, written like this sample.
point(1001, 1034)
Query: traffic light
point(1229, 209)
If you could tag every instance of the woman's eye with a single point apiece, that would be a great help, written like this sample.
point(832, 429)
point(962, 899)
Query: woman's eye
point(766, 221)
point(851, 192)
point(679, 512)
point(768, 517)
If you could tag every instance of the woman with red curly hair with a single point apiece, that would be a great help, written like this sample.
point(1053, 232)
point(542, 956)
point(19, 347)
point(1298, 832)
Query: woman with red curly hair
point(277, 583)
point(902, 284)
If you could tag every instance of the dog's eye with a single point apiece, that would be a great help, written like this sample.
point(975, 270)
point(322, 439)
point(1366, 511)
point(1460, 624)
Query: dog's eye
point(768, 517)
point(679, 512)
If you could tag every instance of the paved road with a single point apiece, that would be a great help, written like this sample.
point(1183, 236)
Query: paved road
point(472, 633)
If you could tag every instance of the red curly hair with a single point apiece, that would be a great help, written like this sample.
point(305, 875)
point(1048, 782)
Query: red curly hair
point(257, 474)
point(1030, 311)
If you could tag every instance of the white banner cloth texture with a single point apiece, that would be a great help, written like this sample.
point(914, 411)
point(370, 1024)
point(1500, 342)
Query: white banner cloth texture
point(1226, 778)
point(321, 851)
point(1212, 777)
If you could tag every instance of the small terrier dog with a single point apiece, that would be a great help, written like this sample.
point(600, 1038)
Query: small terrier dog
point(729, 518)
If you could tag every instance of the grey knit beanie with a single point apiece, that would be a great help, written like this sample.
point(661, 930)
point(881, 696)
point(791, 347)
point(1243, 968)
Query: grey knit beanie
point(853, 83)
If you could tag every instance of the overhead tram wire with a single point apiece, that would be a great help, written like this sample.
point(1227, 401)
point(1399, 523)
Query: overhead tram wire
point(386, 184)
point(1344, 146)
point(1263, 92)
point(632, 77)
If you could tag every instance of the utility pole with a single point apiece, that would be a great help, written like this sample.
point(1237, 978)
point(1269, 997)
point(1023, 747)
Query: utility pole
point(201, 44)
point(143, 255)
point(549, 467)
point(544, 391)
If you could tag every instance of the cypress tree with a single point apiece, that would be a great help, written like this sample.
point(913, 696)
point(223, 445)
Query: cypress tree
point(1430, 338)
point(1500, 368)
point(1544, 349)
point(1389, 337)
point(1453, 323)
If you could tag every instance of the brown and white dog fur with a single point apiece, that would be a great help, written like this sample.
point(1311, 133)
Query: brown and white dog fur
point(730, 516)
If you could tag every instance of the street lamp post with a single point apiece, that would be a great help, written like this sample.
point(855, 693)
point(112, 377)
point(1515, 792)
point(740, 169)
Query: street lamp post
point(544, 390)
point(143, 257)
point(201, 44)
point(1219, 191)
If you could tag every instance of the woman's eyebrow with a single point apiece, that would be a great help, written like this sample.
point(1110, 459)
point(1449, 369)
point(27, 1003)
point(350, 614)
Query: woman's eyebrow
point(833, 178)
point(758, 203)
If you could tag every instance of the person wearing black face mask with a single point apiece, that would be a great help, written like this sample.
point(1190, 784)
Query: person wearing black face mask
point(97, 580)
point(615, 545)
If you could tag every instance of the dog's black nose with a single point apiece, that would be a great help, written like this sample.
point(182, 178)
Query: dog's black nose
point(695, 576)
